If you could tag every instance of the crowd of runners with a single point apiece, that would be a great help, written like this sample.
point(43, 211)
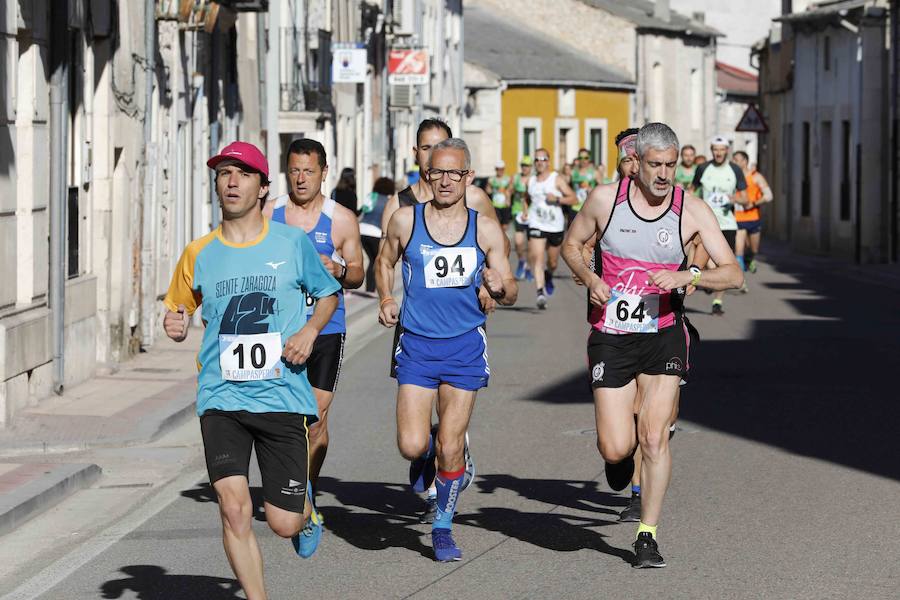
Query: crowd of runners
point(271, 279)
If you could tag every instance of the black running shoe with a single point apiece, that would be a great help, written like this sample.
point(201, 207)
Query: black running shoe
point(430, 510)
point(646, 552)
point(619, 475)
point(632, 512)
point(717, 309)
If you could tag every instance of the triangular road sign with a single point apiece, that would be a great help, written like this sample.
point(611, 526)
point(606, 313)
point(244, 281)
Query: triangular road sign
point(752, 121)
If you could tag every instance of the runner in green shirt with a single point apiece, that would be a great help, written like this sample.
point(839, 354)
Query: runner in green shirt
point(585, 177)
point(684, 172)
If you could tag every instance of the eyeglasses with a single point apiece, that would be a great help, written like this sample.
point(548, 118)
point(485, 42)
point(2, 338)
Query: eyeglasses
point(542, 160)
point(453, 174)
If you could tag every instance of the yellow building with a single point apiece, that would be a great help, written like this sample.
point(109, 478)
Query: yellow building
point(526, 91)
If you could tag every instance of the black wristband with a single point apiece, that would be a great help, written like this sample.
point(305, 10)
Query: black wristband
point(343, 274)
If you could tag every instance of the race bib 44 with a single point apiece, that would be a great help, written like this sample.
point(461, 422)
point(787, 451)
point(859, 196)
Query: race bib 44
point(450, 267)
point(631, 313)
point(251, 357)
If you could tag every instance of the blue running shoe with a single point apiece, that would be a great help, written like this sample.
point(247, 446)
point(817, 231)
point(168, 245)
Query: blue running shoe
point(445, 549)
point(469, 474)
point(528, 275)
point(306, 542)
point(520, 270)
point(423, 469)
point(548, 283)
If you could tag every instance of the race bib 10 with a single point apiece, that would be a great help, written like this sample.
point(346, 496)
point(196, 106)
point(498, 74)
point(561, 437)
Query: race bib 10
point(450, 267)
point(631, 313)
point(251, 357)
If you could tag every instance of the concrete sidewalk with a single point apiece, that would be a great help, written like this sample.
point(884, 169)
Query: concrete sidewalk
point(148, 396)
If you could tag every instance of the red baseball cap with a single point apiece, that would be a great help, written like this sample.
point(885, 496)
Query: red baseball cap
point(244, 153)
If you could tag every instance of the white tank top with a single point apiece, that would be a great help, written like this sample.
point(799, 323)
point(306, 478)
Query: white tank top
point(543, 216)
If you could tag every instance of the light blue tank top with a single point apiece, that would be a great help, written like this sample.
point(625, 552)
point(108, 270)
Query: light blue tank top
point(440, 283)
point(321, 238)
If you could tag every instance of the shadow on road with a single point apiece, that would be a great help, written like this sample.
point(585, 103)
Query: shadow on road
point(577, 495)
point(204, 492)
point(151, 582)
point(391, 523)
point(819, 385)
point(553, 531)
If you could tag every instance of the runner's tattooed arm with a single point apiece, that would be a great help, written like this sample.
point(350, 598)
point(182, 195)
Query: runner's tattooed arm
point(397, 235)
point(349, 246)
point(497, 278)
point(390, 208)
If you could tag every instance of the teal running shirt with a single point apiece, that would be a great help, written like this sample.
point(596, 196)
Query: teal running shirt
point(254, 298)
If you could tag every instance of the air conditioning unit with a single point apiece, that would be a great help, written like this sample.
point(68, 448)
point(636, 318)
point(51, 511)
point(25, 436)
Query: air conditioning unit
point(403, 95)
point(404, 17)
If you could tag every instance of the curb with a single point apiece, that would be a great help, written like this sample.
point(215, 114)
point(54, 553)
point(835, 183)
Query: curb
point(43, 492)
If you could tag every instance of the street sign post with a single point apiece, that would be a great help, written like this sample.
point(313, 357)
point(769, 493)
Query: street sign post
point(348, 62)
point(408, 67)
point(752, 121)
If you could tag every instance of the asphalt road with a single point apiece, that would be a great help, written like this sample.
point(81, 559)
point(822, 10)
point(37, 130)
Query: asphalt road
point(785, 482)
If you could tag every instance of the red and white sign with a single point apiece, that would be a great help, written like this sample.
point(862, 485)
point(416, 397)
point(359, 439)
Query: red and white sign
point(408, 67)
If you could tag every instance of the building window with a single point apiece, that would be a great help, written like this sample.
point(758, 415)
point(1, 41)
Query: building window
point(826, 53)
point(696, 99)
point(805, 200)
point(595, 139)
point(529, 136)
point(845, 170)
point(658, 94)
point(72, 226)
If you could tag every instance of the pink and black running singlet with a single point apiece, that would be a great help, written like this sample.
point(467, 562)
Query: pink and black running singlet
point(629, 248)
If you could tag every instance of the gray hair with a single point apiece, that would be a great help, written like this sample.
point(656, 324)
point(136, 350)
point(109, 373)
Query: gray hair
point(657, 136)
point(454, 144)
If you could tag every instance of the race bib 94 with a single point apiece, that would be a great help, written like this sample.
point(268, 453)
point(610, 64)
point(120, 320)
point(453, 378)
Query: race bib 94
point(449, 267)
point(251, 357)
point(631, 313)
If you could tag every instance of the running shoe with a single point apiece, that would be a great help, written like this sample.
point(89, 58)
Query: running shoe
point(717, 308)
point(422, 470)
point(671, 431)
point(529, 276)
point(632, 512)
point(445, 549)
point(646, 552)
point(548, 281)
point(619, 475)
point(469, 474)
point(752, 266)
point(541, 300)
point(520, 270)
point(306, 542)
point(430, 510)
point(744, 288)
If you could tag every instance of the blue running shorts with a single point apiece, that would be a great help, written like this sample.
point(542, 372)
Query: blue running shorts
point(458, 361)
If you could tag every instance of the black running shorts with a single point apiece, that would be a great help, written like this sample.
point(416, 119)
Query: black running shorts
point(615, 360)
point(504, 214)
point(398, 329)
point(730, 237)
point(282, 451)
point(553, 239)
point(323, 367)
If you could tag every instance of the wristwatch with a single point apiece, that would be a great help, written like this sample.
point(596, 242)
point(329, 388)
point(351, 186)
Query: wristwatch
point(696, 272)
point(343, 274)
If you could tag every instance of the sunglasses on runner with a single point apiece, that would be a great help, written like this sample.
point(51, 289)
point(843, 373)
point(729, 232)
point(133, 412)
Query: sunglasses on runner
point(453, 174)
point(584, 157)
point(541, 160)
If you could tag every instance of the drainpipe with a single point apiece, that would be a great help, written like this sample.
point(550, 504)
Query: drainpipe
point(148, 298)
point(59, 111)
point(273, 145)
